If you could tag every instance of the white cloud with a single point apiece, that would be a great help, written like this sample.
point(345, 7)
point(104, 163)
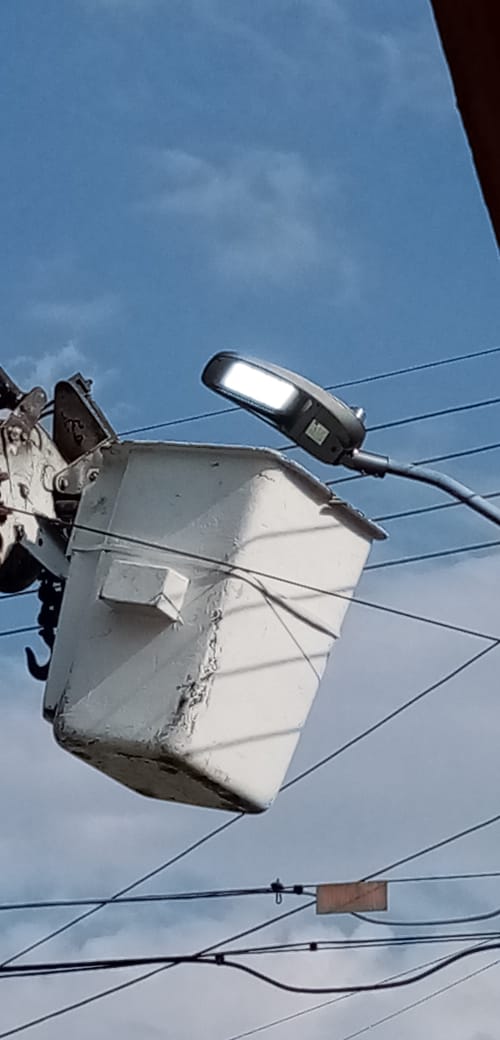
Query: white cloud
point(45, 370)
point(257, 214)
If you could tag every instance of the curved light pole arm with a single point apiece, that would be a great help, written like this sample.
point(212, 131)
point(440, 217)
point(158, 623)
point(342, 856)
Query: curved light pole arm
point(369, 464)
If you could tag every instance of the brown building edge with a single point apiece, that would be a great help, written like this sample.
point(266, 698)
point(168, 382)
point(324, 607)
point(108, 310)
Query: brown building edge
point(470, 36)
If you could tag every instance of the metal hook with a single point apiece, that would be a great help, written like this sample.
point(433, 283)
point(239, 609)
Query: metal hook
point(36, 670)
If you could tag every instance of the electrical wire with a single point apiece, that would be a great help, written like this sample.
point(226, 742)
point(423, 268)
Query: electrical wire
point(233, 820)
point(120, 987)
point(318, 1007)
point(223, 960)
point(18, 631)
point(365, 733)
point(239, 570)
point(475, 828)
point(404, 513)
point(440, 554)
point(425, 462)
point(127, 888)
point(388, 717)
point(52, 968)
point(348, 996)
point(440, 922)
point(422, 1000)
point(276, 889)
point(409, 369)
point(81, 917)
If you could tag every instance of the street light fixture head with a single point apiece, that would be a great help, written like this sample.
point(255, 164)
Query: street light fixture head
point(319, 423)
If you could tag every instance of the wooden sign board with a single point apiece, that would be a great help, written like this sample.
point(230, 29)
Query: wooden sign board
point(351, 897)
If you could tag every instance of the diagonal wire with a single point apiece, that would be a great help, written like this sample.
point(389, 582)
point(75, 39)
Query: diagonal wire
point(409, 369)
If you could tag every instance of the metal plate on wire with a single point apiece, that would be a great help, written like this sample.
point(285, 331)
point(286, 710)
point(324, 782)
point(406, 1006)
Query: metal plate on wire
point(351, 897)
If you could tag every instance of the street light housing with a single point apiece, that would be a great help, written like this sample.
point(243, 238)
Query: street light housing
point(310, 416)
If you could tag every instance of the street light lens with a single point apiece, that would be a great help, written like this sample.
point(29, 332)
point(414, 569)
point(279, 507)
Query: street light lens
point(263, 388)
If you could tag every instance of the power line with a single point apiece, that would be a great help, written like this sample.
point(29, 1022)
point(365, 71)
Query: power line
point(423, 1000)
point(226, 960)
point(18, 631)
point(475, 828)
point(357, 739)
point(239, 569)
point(404, 513)
point(426, 462)
point(388, 718)
point(317, 1007)
point(433, 555)
point(147, 975)
point(407, 420)
point(409, 369)
point(337, 1000)
point(128, 888)
point(440, 923)
point(229, 823)
point(275, 889)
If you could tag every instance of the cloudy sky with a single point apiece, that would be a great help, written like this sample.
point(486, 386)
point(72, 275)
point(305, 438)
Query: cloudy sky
point(289, 179)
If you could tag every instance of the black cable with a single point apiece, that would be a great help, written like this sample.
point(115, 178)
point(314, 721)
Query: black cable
point(16, 595)
point(18, 631)
point(441, 922)
point(128, 888)
point(224, 826)
point(221, 960)
point(364, 943)
point(422, 1000)
point(472, 876)
point(404, 513)
point(409, 419)
point(238, 570)
point(210, 834)
point(276, 889)
point(147, 975)
point(425, 462)
point(433, 555)
point(387, 718)
point(226, 960)
point(336, 1000)
point(141, 978)
point(323, 1004)
point(409, 369)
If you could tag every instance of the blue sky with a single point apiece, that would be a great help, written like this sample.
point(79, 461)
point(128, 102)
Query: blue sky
point(290, 179)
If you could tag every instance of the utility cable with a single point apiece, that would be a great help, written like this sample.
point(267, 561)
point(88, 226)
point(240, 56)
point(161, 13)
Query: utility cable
point(423, 1000)
point(439, 923)
point(18, 631)
point(223, 960)
point(264, 1027)
point(439, 555)
point(425, 462)
point(126, 889)
point(239, 569)
point(475, 828)
point(233, 820)
point(408, 370)
point(222, 827)
point(276, 889)
point(147, 975)
point(421, 510)
point(389, 717)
